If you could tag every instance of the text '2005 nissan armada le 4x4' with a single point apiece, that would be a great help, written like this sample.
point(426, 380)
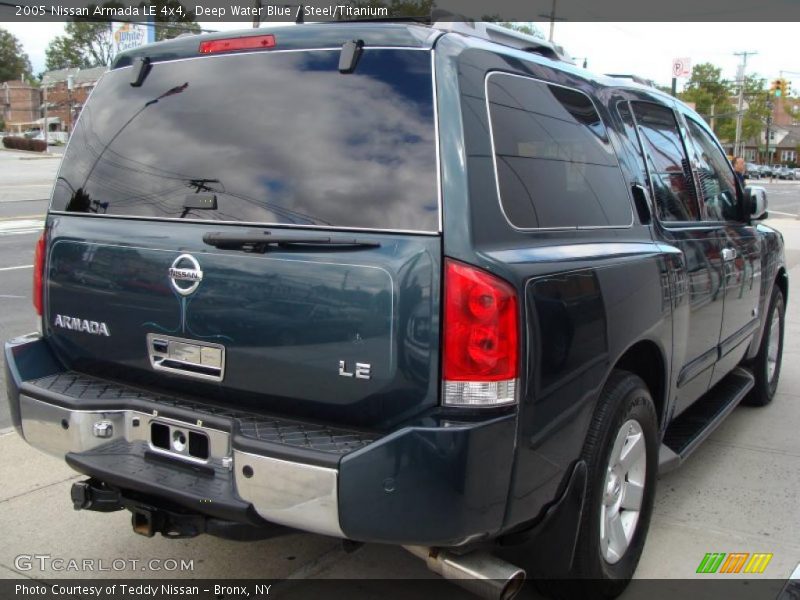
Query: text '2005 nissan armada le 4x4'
point(431, 286)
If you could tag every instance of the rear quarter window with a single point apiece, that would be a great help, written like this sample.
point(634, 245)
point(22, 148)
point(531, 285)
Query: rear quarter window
point(555, 165)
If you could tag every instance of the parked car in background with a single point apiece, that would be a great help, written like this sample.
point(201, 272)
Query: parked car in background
point(785, 173)
point(765, 170)
point(752, 171)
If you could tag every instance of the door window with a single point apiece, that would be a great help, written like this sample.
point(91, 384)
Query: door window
point(667, 162)
point(715, 178)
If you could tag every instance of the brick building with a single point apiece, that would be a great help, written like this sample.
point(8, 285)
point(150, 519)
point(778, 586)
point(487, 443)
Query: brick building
point(64, 92)
point(20, 104)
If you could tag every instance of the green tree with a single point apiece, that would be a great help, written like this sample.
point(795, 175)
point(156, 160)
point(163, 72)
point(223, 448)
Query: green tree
point(756, 111)
point(710, 94)
point(90, 43)
point(14, 63)
point(62, 53)
point(172, 22)
point(85, 44)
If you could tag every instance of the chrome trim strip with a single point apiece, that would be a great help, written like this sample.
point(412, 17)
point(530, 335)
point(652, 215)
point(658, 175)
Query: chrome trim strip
point(297, 495)
point(494, 159)
point(157, 359)
point(288, 493)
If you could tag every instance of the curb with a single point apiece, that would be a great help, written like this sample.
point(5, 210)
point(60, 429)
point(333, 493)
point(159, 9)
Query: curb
point(30, 154)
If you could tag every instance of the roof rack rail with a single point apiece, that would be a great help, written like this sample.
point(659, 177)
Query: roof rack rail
point(634, 78)
point(501, 35)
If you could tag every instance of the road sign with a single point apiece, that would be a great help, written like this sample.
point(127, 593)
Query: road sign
point(681, 67)
point(125, 36)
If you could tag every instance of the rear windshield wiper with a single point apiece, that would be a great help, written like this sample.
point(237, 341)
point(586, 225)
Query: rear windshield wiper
point(259, 241)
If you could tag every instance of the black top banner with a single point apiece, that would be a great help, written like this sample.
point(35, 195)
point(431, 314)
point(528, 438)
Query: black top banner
point(424, 10)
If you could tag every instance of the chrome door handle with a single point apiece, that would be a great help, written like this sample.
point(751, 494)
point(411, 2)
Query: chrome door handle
point(728, 254)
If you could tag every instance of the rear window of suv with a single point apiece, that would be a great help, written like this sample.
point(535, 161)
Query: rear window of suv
point(264, 137)
point(555, 165)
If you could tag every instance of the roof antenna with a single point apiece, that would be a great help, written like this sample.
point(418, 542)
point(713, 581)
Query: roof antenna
point(141, 67)
point(351, 52)
point(300, 15)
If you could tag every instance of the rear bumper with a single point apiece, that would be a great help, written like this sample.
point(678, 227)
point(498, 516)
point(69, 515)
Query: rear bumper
point(432, 483)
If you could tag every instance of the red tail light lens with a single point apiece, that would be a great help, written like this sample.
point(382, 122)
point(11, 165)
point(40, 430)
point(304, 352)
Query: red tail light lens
point(251, 42)
point(481, 337)
point(38, 274)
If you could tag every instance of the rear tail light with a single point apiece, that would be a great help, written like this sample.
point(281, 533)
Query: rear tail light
point(481, 338)
point(38, 274)
point(251, 42)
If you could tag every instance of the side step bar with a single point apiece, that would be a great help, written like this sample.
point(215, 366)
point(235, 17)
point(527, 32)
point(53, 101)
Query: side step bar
point(685, 434)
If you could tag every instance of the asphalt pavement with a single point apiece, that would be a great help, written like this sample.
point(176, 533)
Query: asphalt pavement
point(737, 493)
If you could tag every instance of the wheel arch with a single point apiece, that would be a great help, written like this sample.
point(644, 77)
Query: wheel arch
point(646, 359)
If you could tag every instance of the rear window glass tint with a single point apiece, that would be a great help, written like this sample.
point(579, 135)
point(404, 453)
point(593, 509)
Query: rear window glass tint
point(266, 137)
point(555, 164)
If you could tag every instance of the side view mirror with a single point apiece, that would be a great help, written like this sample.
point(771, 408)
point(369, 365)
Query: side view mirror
point(756, 202)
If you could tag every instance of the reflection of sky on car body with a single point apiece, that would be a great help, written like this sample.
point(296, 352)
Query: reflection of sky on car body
point(285, 131)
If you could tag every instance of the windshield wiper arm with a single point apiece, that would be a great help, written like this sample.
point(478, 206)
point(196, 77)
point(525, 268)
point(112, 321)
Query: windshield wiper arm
point(258, 241)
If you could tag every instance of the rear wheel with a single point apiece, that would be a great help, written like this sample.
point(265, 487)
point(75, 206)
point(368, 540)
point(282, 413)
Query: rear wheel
point(766, 365)
point(621, 452)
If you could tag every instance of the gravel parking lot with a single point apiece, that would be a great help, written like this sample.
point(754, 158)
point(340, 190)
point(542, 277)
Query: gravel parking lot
point(737, 493)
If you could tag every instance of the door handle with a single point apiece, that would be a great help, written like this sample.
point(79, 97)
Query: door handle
point(728, 254)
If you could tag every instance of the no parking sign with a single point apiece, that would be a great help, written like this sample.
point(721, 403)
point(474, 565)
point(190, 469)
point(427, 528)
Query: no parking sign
point(681, 67)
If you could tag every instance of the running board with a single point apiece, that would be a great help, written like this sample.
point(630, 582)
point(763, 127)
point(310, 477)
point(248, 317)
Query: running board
point(685, 433)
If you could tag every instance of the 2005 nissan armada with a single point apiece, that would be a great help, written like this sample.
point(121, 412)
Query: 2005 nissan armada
point(431, 286)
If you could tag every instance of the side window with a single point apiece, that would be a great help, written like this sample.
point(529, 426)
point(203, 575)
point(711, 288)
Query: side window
point(625, 114)
point(555, 164)
point(667, 162)
point(714, 176)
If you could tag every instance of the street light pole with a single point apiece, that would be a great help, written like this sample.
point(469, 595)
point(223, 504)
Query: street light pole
point(740, 104)
point(769, 122)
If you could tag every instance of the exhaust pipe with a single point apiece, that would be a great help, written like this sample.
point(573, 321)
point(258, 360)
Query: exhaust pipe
point(478, 572)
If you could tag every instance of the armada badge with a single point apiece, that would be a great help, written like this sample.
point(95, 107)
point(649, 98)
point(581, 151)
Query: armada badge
point(83, 325)
point(185, 268)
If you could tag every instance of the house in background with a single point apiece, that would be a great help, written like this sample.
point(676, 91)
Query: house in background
point(55, 104)
point(64, 92)
point(21, 104)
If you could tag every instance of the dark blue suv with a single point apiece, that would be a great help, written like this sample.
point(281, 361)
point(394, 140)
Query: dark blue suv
point(431, 286)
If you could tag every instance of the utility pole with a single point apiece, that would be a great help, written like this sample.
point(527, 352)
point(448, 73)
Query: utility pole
point(712, 117)
point(70, 86)
point(767, 160)
point(552, 18)
point(740, 104)
point(44, 82)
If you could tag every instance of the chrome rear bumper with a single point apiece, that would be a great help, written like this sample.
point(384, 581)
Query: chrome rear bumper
point(293, 494)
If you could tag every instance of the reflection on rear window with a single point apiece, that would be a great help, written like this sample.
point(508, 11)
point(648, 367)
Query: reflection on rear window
point(269, 137)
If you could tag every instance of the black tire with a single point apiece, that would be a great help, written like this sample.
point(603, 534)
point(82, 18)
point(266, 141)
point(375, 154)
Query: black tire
point(765, 387)
point(625, 397)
